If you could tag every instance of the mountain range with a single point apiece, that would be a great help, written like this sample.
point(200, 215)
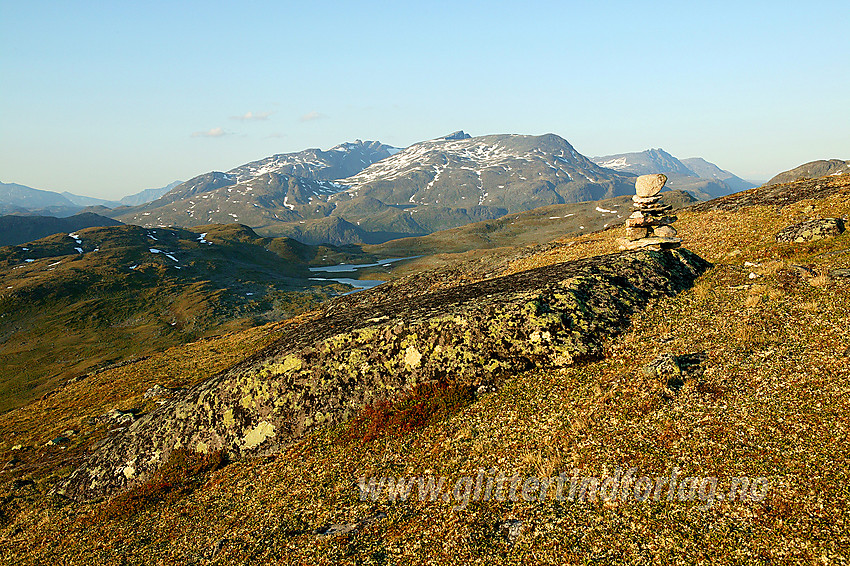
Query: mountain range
point(15, 198)
point(369, 192)
point(696, 175)
point(21, 199)
point(388, 193)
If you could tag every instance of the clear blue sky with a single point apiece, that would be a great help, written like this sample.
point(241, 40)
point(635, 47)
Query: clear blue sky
point(107, 98)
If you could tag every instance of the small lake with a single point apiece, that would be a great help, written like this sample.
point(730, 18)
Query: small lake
point(351, 269)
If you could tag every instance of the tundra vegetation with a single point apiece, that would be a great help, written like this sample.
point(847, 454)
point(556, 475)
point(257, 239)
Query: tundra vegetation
point(766, 324)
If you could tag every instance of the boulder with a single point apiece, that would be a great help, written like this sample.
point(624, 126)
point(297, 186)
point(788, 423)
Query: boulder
point(650, 185)
point(664, 231)
point(636, 232)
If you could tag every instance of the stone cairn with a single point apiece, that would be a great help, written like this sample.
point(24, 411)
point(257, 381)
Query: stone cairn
point(649, 226)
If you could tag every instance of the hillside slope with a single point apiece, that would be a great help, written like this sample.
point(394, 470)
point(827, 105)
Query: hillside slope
point(324, 371)
point(536, 226)
point(70, 303)
point(812, 170)
point(744, 375)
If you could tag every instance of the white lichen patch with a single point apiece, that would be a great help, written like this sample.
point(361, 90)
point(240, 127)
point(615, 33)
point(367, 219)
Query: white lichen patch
point(258, 435)
point(412, 357)
point(129, 470)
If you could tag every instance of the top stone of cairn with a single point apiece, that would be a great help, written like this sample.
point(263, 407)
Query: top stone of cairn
point(650, 185)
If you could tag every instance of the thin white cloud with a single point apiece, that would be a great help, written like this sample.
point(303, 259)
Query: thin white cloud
point(250, 116)
point(310, 116)
point(211, 133)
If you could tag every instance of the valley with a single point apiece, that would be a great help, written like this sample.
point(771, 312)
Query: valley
point(75, 303)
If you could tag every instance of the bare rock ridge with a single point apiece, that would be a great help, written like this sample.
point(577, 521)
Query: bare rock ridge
point(324, 370)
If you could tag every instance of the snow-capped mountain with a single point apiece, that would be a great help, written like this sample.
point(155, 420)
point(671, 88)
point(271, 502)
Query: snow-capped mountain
point(218, 198)
point(644, 163)
point(310, 165)
point(341, 161)
point(277, 189)
point(370, 192)
point(695, 175)
point(508, 172)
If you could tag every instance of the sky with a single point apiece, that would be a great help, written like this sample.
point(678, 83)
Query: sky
point(107, 98)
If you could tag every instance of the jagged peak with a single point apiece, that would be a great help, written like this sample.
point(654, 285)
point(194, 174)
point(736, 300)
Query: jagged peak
point(458, 135)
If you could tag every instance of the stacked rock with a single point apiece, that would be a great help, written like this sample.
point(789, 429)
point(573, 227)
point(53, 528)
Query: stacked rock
point(649, 226)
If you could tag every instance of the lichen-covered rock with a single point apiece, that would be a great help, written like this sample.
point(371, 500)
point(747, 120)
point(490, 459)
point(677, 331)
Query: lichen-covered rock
point(325, 370)
point(675, 370)
point(811, 230)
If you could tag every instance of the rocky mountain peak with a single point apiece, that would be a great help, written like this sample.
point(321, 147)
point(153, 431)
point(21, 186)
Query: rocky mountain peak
point(458, 135)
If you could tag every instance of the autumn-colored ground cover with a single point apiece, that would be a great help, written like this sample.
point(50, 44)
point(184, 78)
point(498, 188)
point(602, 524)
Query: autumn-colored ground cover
point(771, 400)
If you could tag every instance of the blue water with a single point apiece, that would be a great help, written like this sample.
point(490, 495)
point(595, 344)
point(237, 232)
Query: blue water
point(348, 268)
point(352, 267)
point(361, 284)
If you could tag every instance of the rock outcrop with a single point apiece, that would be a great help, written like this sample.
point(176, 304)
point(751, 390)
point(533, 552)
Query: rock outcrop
point(811, 230)
point(324, 370)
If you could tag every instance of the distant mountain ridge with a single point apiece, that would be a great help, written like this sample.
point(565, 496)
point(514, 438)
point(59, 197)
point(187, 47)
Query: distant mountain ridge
point(15, 229)
point(812, 170)
point(16, 198)
point(696, 175)
point(432, 185)
point(340, 161)
point(85, 201)
point(20, 198)
point(147, 195)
